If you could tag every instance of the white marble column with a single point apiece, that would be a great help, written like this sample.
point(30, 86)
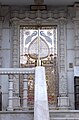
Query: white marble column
point(63, 99)
point(10, 97)
point(25, 88)
point(41, 110)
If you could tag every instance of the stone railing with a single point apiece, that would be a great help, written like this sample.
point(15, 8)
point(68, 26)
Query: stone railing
point(17, 71)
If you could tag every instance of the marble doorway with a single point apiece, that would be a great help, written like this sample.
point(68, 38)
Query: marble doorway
point(28, 36)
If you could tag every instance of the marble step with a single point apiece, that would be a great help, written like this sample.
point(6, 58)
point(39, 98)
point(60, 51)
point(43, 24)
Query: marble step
point(64, 118)
point(64, 114)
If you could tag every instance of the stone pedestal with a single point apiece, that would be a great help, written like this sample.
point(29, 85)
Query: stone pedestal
point(41, 110)
point(63, 103)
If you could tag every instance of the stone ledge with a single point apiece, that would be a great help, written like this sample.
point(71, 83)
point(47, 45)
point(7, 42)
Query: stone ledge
point(17, 112)
point(5, 71)
point(64, 111)
point(64, 119)
point(64, 114)
point(29, 115)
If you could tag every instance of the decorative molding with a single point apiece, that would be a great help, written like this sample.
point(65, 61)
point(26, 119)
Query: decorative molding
point(38, 17)
point(5, 71)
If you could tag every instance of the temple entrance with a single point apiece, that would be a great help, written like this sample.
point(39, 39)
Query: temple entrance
point(30, 40)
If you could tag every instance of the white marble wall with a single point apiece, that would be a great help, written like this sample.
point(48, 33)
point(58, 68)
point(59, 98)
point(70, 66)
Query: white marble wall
point(70, 59)
point(6, 55)
point(6, 49)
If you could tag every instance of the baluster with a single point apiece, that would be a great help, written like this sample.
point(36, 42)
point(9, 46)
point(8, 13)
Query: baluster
point(10, 102)
point(25, 87)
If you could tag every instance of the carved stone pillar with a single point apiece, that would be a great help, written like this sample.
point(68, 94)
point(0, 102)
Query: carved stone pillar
point(63, 100)
point(10, 98)
point(25, 88)
point(0, 42)
point(0, 48)
point(15, 58)
point(76, 31)
point(16, 38)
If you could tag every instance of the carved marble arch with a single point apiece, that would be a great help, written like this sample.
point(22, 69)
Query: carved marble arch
point(28, 36)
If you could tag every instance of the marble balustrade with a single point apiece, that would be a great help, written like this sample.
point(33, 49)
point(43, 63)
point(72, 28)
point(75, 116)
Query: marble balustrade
point(16, 71)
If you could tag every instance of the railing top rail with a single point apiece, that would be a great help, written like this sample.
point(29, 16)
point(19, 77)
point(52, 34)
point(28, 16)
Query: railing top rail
point(16, 71)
